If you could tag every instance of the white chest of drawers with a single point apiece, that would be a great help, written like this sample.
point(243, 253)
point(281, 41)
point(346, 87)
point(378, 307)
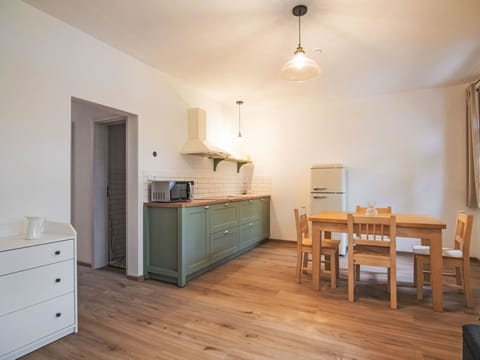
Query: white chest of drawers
point(38, 289)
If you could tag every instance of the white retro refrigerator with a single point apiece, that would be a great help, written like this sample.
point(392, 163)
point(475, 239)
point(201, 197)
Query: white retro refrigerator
point(328, 191)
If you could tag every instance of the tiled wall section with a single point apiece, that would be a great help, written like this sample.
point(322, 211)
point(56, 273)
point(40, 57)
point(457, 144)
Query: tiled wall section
point(209, 186)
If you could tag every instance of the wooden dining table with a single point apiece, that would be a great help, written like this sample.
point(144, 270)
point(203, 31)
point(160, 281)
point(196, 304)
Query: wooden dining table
point(424, 227)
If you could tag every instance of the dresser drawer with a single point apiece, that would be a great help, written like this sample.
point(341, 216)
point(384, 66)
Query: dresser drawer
point(30, 324)
point(34, 256)
point(30, 287)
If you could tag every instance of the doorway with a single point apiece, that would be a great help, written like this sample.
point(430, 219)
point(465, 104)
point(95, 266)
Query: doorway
point(105, 187)
point(116, 194)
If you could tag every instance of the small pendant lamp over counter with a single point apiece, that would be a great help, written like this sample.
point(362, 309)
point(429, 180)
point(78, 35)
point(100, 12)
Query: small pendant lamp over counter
point(239, 103)
point(300, 67)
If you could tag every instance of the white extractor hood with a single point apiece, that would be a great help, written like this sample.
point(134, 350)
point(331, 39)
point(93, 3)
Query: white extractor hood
point(197, 134)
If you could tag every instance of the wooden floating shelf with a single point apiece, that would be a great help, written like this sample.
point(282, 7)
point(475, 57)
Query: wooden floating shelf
point(240, 162)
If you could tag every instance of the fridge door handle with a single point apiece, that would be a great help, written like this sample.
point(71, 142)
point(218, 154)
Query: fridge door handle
point(320, 189)
point(320, 197)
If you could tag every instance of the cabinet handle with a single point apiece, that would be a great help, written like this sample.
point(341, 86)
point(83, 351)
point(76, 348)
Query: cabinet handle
point(57, 252)
point(57, 280)
point(250, 201)
point(226, 204)
point(225, 232)
point(58, 314)
point(206, 207)
point(250, 224)
point(262, 199)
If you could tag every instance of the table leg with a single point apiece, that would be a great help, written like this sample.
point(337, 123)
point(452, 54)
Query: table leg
point(436, 264)
point(316, 233)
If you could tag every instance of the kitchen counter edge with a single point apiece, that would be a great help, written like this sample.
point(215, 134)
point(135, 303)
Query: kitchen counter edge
point(203, 202)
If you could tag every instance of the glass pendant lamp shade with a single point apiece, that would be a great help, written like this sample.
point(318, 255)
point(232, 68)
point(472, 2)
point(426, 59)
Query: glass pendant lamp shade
point(300, 67)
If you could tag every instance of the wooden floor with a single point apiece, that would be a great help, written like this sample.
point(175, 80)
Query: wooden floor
point(251, 308)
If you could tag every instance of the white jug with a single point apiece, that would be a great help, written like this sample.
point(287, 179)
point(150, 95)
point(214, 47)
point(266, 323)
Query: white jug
point(34, 227)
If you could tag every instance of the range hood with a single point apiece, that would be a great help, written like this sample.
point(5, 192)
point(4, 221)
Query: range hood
point(197, 134)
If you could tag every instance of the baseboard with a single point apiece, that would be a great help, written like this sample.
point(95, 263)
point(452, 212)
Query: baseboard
point(81, 263)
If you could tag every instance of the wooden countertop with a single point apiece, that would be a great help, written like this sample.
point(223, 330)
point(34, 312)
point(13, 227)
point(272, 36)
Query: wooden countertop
point(206, 201)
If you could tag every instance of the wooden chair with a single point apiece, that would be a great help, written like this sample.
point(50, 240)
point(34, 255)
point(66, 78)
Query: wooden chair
point(372, 241)
point(329, 248)
point(362, 211)
point(457, 258)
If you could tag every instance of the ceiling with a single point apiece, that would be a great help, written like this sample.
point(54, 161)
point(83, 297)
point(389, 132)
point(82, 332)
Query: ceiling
point(235, 49)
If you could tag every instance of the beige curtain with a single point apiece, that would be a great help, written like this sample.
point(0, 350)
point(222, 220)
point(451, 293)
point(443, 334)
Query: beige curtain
point(473, 146)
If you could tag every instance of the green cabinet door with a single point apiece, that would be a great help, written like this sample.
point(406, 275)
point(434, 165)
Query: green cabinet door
point(196, 238)
point(265, 210)
point(161, 242)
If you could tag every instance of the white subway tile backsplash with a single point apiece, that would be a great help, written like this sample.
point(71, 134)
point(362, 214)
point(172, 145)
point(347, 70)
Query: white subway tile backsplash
point(213, 185)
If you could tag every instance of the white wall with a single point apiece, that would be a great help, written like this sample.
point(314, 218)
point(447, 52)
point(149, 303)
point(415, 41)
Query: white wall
point(406, 150)
point(44, 63)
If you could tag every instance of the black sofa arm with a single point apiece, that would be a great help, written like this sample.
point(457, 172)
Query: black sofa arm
point(471, 342)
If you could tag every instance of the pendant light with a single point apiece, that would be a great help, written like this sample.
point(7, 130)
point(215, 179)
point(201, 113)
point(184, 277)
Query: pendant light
point(239, 103)
point(300, 67)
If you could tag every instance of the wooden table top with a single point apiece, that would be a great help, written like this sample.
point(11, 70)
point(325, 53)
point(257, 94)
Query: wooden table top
point(403, 220)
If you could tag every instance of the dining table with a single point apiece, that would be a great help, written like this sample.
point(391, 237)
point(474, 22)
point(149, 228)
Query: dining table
point(424, 227)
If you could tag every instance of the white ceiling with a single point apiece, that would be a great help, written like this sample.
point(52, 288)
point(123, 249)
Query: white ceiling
point(232, 49)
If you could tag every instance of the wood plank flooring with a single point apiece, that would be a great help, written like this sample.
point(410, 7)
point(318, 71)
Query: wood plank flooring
point(251, 308)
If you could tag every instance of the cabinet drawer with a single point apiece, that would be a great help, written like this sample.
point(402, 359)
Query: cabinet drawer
point(249, 211)
point(250, 234)
point(223, 216)
point(30, 287)
point(223, 243)
point(35, 322)
point(34, 256)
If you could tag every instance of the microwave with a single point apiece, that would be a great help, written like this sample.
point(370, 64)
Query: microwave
point(171, 191)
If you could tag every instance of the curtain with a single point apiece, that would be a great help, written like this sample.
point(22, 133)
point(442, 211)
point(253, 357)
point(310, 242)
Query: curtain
point(473, 146)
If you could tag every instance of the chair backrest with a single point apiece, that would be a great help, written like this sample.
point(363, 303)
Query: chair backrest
point(301, 221)
point(362, 210)
point(372, 230)
point(463, 234)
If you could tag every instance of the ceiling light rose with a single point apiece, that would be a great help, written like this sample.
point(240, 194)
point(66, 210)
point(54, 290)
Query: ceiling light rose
point(300, 67)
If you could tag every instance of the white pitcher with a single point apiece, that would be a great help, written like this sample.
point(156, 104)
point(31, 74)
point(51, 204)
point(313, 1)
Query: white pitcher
point(34, 227)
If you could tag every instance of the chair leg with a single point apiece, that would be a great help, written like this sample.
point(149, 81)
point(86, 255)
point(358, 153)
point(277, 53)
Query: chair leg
point(333, 271)
point(459, 276)
point(305, 262)
point(298, 270)
point(337, 262)
point(420, 278)
point(357, 272)
point(415, 270)
point(467, 289)
point(351, 280)
point(389, 279)
point(328, 260)
point(393, 286)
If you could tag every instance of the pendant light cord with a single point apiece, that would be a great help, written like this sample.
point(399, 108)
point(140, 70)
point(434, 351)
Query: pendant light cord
point(299, 42)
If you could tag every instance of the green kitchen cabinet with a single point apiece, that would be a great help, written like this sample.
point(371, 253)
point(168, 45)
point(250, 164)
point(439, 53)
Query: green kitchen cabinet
point(196, 238)
point(223, 243)
point(161, 243)
point(250, 234)
point(183, 242)
point(223, 216)
point(265, 216)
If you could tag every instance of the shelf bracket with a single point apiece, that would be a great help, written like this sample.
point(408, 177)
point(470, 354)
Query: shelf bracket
point(216, 161)
point(240, 164)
